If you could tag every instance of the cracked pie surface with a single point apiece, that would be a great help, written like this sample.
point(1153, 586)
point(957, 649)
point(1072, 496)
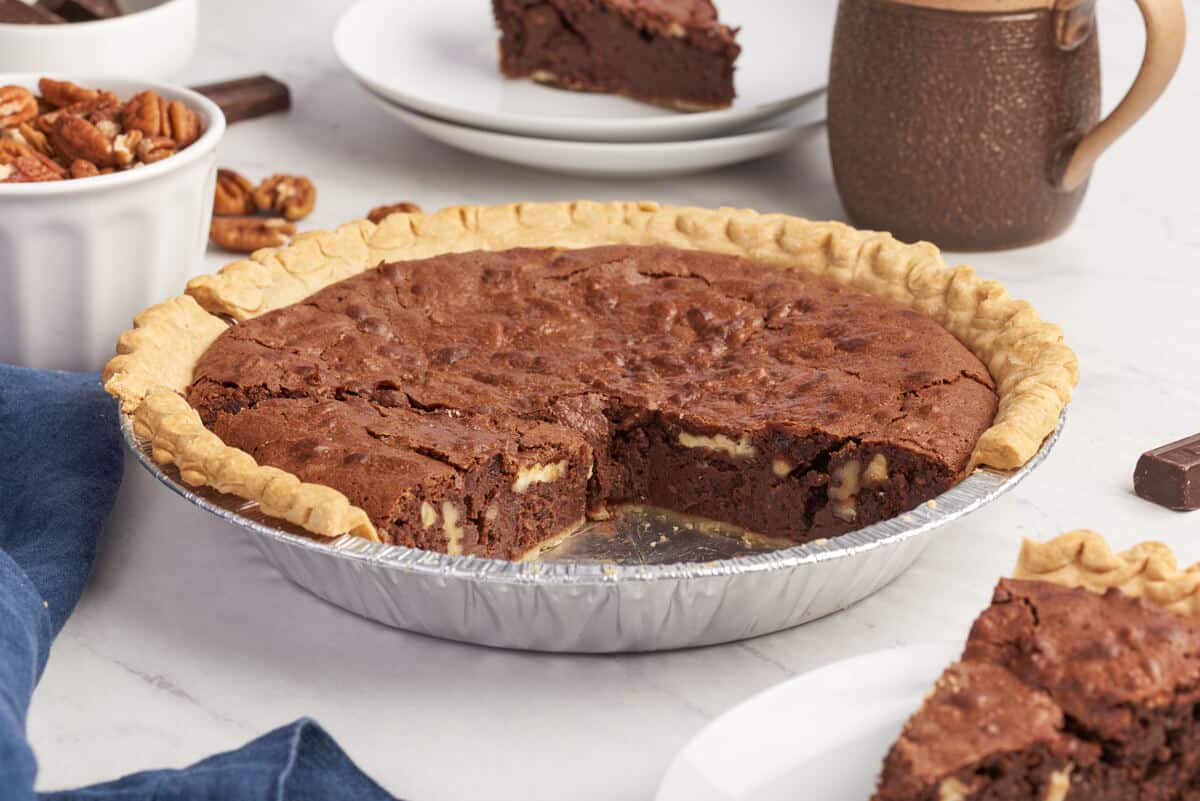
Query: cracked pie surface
point(481, 380)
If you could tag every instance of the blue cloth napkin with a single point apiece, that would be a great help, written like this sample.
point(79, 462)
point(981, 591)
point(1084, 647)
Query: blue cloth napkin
point(60, 466)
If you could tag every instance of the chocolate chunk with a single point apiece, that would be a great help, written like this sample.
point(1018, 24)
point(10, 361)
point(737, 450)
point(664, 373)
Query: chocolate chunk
point(247, 98)
point(85, 10)
point(15, 12)
point(1170, 475)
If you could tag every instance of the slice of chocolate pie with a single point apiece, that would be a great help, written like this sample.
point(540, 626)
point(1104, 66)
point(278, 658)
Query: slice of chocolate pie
point(672, 53)
point(1081, 681)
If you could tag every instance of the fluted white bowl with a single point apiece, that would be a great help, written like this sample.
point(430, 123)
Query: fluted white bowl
point(155, 39)
point(79, 258)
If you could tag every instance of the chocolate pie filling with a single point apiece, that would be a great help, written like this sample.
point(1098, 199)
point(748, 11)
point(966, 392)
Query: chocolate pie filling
point(484, 403)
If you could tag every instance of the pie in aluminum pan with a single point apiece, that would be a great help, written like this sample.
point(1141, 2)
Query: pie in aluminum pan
point(185, 349)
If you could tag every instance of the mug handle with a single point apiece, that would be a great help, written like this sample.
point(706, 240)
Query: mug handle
point(1164, 48)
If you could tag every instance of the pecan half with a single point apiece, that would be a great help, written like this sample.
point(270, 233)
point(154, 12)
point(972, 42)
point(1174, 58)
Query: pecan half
point(25, 164)
point(11, 149)
point(106, 113)
point(109, 128)
point(40, 168)
point(125, 147)
point(155, 148)
point(164, 117)
point(45, 122)
point(248, 234)
point(104, 105)
point(83, 169)
point(185, 126)
point(381, 213)
point(104, 99)
point(292, 195)
point(35, 139)
point(234, 194)
point(23, 134)
point(17, 106)
point(65, 93)
point(76, 138)
point(142, 113)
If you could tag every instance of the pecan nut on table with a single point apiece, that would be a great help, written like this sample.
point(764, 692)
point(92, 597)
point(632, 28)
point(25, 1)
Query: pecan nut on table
point(248, 234)
point(247, 217)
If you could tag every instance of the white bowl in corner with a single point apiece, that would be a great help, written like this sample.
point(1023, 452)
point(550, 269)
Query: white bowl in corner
point(154, 40)
point(79, 258)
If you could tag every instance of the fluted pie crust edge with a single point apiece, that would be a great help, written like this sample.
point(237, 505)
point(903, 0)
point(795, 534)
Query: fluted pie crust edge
point(1034, 371)
point(1084, 559)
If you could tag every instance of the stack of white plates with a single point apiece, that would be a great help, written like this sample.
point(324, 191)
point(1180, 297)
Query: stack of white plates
point(434, 67)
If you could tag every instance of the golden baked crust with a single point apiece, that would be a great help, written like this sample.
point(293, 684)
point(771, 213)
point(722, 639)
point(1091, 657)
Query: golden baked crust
point(1033, 370)
point(170, 424)
point(160, 350)
point(1083, 559)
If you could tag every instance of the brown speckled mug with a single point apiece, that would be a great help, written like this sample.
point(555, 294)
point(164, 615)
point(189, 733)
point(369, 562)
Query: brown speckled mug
point(973, 123)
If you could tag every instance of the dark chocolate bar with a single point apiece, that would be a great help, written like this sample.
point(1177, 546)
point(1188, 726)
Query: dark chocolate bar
point(1170, 475)
point(88, 10)
point(18, 13)
point(246, 98)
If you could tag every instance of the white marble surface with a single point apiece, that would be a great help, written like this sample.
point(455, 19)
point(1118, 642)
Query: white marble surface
point(187, 642)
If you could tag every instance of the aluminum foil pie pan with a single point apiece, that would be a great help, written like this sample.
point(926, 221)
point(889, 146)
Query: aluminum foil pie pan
point(643, 583)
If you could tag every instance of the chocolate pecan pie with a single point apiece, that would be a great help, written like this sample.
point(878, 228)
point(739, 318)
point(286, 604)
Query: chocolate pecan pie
point(480, 380)
point(1081, 681)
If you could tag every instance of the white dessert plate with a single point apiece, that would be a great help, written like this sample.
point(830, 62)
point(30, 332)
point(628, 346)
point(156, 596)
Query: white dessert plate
point(445, 65)
point(822, 735)
point(620, 159)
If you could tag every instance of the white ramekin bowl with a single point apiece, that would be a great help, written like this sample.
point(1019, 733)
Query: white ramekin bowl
point(154, 41)
point(79, 258)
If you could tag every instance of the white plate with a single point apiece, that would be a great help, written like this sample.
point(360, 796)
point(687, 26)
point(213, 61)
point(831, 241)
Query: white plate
point(615, 160)
point(445, 65)
point(820, 736)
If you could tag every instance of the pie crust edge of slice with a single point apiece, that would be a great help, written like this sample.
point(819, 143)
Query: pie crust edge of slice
point(1083, 558)
point(1034, 371)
